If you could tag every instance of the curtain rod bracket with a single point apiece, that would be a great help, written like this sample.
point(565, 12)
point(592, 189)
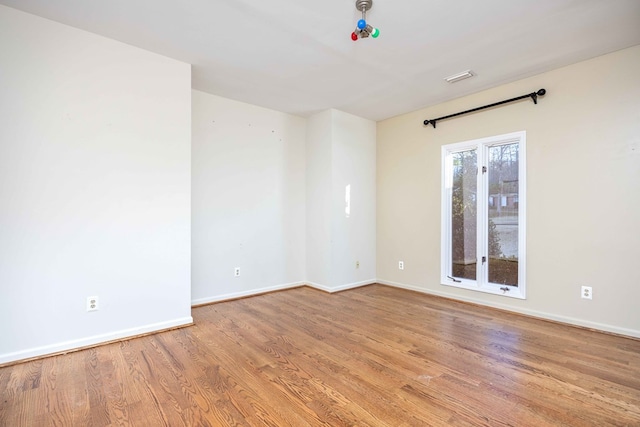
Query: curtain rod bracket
point(533, 95)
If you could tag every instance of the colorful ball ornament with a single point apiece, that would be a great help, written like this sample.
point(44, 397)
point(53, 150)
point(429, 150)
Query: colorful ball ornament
point(362, 24)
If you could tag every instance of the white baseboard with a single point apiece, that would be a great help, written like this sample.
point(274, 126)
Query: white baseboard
point(252, 292)
point(333, 289)
point(258, 291)
point(533, 313)
point(93, 340)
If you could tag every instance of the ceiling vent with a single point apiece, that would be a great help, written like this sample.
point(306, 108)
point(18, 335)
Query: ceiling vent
point(460, 76)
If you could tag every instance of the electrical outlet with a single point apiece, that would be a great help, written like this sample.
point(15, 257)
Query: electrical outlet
point(236, 272)
point(357, 264)
point(92, 304)
point(400, 265)
point(587, 292)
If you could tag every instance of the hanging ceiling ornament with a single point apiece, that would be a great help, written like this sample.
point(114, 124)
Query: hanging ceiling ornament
point(364, 30)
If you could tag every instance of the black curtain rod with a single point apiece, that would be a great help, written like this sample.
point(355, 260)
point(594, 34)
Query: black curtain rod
point(533, 95)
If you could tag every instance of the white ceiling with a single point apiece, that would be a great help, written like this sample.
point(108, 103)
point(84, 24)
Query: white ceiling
point(297, 56)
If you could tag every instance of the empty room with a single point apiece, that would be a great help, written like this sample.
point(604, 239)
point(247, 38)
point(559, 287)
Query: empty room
point(333, 213)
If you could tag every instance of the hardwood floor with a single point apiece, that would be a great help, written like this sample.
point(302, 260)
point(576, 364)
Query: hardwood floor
point(374, 356)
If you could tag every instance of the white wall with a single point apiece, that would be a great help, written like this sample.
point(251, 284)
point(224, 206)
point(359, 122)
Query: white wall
point(248, 207)
point(319, 201)
point(353, 238)
point(268, 197)
point(94, 188)
point(583, 195)
point(340, 153)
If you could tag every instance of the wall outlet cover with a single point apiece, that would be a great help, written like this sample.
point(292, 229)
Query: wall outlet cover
point(92, 303)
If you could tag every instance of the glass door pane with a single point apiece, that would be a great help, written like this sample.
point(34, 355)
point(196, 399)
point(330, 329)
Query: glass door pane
point(503, 214)
point(464, 214)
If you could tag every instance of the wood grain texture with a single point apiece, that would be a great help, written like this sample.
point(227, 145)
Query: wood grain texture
point(374, 356)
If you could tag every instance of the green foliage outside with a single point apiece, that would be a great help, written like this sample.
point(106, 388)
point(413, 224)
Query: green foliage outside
point(464, 206)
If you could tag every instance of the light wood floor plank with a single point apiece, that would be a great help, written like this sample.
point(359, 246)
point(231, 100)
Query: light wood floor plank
point(372, 356)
